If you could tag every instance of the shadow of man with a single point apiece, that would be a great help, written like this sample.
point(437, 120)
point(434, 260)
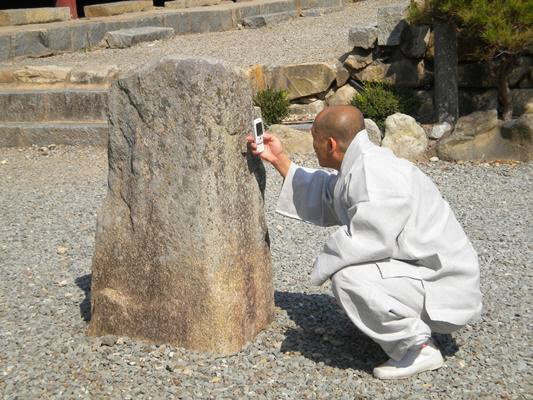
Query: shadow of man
point(326, 335)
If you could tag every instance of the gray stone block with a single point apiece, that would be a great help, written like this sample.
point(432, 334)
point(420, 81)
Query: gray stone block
point(270, 19)
point(307, 4)
point(274, 7)
point(60, 38)
point(391, 23)
point(520, 97)
point(153, 20)
point(179, 21)
point(43, 134)
point(80, 36)
point(248, 10)
point(363, 36)
point(31, 43)
point(78, 105)
point(211, 20)
point(52, 105)
point(5, 47)
point(22, 106)
point(130, 37)
point(96, 33)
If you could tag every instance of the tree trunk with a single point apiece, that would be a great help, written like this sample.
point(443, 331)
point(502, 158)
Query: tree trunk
point(446, 94)
point(504, 92)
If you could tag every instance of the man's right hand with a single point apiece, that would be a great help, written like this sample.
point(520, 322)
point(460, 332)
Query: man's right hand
point(273, 152)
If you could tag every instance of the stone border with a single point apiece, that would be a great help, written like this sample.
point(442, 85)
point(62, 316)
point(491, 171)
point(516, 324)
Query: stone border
point(60, 37)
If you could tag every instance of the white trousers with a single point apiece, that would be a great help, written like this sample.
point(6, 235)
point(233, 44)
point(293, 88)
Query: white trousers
point(390, 311)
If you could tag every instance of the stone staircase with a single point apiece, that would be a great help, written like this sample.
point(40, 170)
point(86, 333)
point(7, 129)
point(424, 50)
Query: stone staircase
point(44, 105)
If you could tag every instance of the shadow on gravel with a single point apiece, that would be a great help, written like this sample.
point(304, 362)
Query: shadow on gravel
point(84, 283)
point(325, 334)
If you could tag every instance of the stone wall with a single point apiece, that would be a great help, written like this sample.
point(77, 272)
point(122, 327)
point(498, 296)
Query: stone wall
point(394, 52)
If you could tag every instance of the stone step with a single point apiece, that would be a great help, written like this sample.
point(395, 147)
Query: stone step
point(190, 3)
point(18, 134)
point(124, 38)
point(52, 105)
point(259, 21)
point(25, 16)
point(117, 8)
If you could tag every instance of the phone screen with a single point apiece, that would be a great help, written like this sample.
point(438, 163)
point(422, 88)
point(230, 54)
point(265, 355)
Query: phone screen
point(259, 129)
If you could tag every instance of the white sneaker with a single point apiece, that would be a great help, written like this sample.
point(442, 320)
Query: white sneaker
point(420, 358)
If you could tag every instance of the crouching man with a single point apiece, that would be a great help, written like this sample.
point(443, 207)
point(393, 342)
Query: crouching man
point(400, 264)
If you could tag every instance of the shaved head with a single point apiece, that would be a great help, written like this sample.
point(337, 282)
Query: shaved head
point(340, 122)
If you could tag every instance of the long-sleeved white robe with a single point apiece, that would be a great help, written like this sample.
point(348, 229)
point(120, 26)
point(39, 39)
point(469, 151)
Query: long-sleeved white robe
point(393, 215)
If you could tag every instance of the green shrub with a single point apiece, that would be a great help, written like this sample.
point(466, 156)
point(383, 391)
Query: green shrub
point(378, 100)
point(274, 105)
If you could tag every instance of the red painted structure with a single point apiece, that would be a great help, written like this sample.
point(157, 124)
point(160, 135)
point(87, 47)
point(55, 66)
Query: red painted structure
point(68, 3)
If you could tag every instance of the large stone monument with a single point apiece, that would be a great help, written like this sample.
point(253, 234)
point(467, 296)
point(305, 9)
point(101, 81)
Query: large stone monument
point(182, 251)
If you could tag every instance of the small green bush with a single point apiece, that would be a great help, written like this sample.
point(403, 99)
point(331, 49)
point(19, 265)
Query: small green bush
point(378, 100)
point(274, 105)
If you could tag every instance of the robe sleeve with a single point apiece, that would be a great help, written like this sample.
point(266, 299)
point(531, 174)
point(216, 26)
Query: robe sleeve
point(370, 236)
point(307, 195)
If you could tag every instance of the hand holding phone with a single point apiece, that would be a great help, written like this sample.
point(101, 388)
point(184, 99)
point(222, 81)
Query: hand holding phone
point(258, 134)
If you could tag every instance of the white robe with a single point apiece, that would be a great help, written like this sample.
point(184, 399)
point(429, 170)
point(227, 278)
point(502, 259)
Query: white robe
point(393, 215)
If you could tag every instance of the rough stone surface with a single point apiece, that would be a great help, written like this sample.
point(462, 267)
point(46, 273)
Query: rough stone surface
point(32, 43)
point(445, 68)
point(528, 109)
point(294, 141)
point(363, 36)
point(128, 37)
point(425, 112)
point(439, 130)
point(358, 59)
point(520, 133)
point(258, 21)
point(404, 72)
point(5, 47)
point(301, 80)
point(374, 133)
point(93, 75)
point(190, 3)
point(473, 100)
point(310, 110)
point(342, 74)
point(182, 253)
point(42, 74)
point(404, 136)
point(391, 23)
point(342, 96)
point(53, 105)
point(117, 8)
point(23, 16)
point(415, 39)
point(19, 134)
point(520, 97)
point(481, 136)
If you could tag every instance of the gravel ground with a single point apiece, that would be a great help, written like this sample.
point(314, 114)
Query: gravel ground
point(309, 39)
point(47, 223)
